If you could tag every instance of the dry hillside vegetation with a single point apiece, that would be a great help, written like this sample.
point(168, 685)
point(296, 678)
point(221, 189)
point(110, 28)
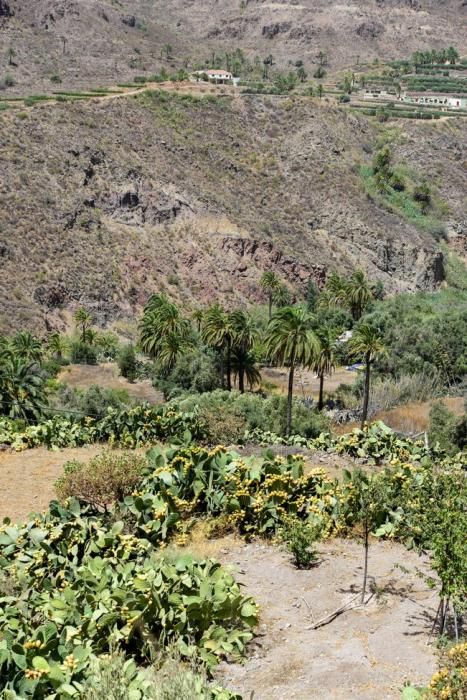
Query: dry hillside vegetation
point(106, 202)
point(110, 40)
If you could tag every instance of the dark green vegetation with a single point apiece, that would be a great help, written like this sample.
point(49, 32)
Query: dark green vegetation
point(94, 562)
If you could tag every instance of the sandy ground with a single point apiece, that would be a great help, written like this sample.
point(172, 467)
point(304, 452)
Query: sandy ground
point(27, 478)
point(365, 654)
point(107, 376)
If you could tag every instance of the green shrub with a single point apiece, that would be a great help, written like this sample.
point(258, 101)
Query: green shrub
point(93, 402)
point(127, 363)
point(103, 481)
point(255, 410)
point(83, 354)
point(299, 538)
point(442, 428)
point(196, 371)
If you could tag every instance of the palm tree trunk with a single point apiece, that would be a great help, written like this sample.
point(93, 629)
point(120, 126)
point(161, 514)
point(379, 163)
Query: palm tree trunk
point(270, 306)
point(366, 392)
point(222, 368)
point(241, 378)
point(229, 365)
point(288, 429)
point(321, 392)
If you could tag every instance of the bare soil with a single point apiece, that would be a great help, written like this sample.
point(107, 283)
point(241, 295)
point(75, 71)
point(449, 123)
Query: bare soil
point(366, 653)
point(107, 376)
point(27, 478)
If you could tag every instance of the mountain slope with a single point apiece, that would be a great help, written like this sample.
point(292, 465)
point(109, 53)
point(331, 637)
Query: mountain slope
point(105, 202)
point(108, 41)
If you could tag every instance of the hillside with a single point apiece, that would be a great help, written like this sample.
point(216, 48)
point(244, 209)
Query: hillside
point(107, 201)
point(97, 42)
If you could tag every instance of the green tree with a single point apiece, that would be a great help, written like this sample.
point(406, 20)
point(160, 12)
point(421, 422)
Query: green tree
point(127, 363)
point(83, 320)
point(325, 360)
point(358, 294)
point(218, 331)
point(244, 336)
point(270, 283)
point(57, 344)
point(27, 347)
point(163, 330)
point(197, 316)
point(302, 75)
point(22, 391)
point(290, 340)
point(366, 343)
point(320, 90)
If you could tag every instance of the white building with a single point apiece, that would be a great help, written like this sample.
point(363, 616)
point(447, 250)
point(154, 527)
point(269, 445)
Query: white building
point(216, 75)
point(440, 100)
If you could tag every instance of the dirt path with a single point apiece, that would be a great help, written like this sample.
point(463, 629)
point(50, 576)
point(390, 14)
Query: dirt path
point(365, 654)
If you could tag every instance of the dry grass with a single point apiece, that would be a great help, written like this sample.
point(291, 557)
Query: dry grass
point(414, 417)
point(106, 376)
point(411, 418)
point(306, 383)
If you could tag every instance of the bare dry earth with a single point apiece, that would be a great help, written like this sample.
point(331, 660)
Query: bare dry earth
point(350, 33)
point(365, 654)
point(108, 42)
point(106, 376)
point(27, 478)
point(104, 203)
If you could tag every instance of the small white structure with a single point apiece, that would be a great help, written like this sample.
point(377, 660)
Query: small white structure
point(435, 100)
point(216, 75)
point(378, 95)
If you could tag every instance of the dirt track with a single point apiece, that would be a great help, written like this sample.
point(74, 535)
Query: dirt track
point(365, 654)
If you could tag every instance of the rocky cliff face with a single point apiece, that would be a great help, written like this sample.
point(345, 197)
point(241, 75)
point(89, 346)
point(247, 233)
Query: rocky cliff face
point(104, 203)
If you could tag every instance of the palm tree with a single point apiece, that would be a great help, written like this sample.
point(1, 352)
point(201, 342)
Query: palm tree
point(218, 331)
point(83, 320)
point(27, 347)
point(161, 318)
point(290, 340)
point(270, 283)
point(197, 316)
point(244, 335)
point(325, 360)
point(57, 344)
point(22, 392)
point(174, 344)
point(367, 343)
point(358, 294)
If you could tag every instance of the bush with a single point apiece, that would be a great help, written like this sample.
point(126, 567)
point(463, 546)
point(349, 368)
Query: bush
point(442, 428)
point(299, 537)
point(104, 480)
point(255, 411)
point(127, 363)
point(196, 371)
point(94, 401)
point(83, 354)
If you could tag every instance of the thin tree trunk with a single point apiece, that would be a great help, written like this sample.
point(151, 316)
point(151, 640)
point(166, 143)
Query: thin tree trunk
point(270, 306)
point(229, 366)
point(241, 378)
point(288, 429)
point(222, 368)
point(321, 392)
point(365, 567)
point(366, 393)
